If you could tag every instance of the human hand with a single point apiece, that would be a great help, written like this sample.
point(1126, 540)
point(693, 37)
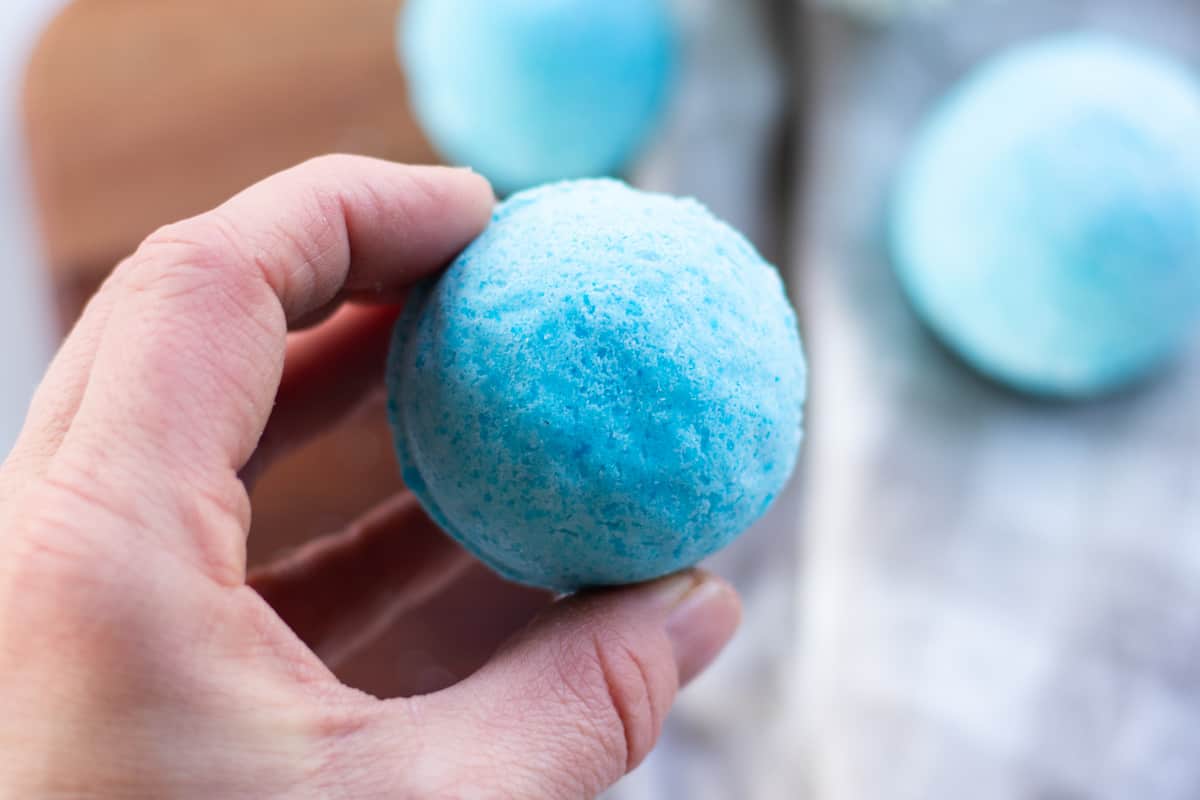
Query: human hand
point(139, 661)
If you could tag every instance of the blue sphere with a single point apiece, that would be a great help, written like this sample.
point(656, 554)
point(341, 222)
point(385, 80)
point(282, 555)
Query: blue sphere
point(1047, 222)
point(532, 91)
point(607, 386)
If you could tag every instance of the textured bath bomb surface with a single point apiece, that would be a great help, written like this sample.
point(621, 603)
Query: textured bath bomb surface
point(531, 91)
point(605, 387)
point(1047, 224)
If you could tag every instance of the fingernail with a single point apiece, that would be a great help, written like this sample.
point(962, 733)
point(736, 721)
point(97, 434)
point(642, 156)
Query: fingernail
point(667, 592)
point(466, 170)
point(705, 612)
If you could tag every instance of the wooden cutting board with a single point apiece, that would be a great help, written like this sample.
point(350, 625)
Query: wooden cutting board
point(141, 112)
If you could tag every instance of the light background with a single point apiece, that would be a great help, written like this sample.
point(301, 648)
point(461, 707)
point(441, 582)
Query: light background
point(25, 325)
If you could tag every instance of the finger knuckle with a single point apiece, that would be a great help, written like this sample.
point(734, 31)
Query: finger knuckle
point(289, 255)
point(54, 570)
point(355, 737)
point(196, 263)
point(608, 676)
point(46, 553)
point(189, 282)
point(297, 254)
point(208, 242)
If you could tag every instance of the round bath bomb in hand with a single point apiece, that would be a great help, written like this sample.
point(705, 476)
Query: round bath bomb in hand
point(605, 387)
point(1047, 224)
point(531, 91)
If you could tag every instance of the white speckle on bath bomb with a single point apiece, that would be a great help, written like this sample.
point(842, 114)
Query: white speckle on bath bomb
point(607, 386)
point(1047, 223)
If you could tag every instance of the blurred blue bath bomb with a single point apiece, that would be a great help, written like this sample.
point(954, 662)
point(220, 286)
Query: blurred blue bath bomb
point(531, 91)
point(605, 387)
point(1047, 224)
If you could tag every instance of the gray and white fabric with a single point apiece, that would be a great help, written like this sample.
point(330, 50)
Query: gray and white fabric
point(994, 598)
point(1001, 597)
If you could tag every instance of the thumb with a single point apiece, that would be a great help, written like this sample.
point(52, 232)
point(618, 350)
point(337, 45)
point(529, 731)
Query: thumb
point(578, 699)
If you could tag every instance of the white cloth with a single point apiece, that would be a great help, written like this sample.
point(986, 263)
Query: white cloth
point(883, 10)
point(1001, 598)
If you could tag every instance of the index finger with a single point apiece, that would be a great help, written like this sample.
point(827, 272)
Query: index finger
point(186, 369)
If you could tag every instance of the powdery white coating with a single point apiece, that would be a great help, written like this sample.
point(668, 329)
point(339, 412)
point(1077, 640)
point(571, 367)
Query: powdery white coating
point(530, 91)
point(605, 387)
point(1047, 224)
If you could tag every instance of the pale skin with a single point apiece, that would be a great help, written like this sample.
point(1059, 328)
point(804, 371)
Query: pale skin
point(138, 658)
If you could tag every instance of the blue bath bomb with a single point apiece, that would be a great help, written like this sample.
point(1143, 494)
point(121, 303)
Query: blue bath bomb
point(605, 387)
point(531, 91)
point(1047, 224)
